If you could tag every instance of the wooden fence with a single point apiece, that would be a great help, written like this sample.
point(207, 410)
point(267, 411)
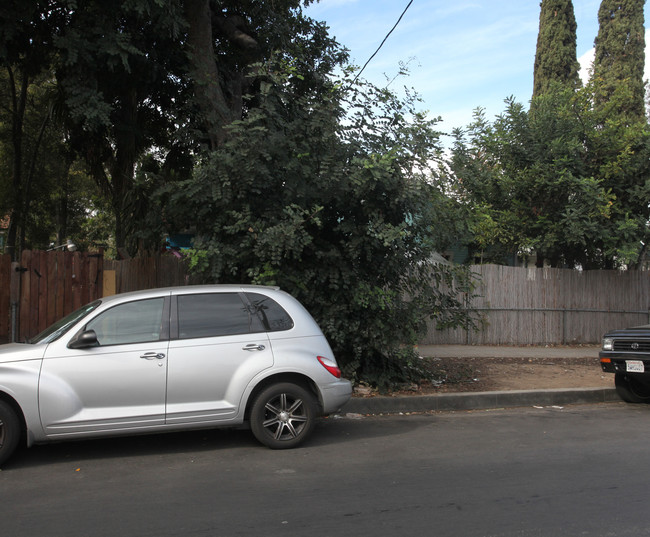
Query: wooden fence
point(45, 286)
point(520, 306)
point(5, 297)
point(534, 306)
point(147, 273)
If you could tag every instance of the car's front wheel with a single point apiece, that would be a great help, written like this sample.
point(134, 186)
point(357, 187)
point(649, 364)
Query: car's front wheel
point(283, 415)
point(9, 431)
point(632, 389)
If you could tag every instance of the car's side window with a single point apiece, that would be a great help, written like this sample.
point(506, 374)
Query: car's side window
point(274, 317)
point(139, 321)
point(215, 314)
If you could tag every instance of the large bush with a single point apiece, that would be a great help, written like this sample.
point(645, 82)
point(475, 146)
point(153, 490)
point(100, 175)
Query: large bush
point(330, 194)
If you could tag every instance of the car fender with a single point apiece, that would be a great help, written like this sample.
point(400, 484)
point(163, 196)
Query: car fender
point(19, 381)
point(283, 374)
point(246, 375)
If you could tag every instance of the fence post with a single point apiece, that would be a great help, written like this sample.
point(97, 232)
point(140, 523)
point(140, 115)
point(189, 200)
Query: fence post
point(14, 298)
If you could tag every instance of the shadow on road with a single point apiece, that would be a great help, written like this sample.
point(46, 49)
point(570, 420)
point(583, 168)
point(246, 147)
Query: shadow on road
point(328, 432)
point(132, 446)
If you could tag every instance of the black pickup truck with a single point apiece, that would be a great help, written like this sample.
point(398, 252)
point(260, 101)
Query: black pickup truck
point(626, 353)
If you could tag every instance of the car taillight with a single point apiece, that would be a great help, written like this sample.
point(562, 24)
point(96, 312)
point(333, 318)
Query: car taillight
point(330, 366)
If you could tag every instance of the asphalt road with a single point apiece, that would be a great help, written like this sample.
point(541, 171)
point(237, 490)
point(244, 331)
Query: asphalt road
point(578, 470)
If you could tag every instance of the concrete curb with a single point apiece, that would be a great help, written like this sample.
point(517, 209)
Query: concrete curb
point(479, 400)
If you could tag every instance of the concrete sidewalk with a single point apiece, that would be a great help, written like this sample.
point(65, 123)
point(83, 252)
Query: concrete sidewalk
point(493, 399)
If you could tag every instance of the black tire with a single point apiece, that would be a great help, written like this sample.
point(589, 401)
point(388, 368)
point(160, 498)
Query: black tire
point(632, 389)
point(9, 431)
point(283, 415)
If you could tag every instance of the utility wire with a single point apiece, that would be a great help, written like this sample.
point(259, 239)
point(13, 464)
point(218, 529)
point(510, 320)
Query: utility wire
point(382, 43)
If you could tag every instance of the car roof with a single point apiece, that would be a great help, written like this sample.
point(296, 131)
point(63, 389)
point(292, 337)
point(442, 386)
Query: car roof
point(188, 289)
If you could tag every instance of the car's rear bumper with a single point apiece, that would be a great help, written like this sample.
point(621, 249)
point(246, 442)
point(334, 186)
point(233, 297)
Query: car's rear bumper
point(335, 395)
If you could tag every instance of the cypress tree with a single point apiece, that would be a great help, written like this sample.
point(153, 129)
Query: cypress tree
point(620, 55)
point(555, 58)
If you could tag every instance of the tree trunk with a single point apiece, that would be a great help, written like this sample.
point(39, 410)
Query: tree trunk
point(18, 104)
point(209, 94)
point(123, 165)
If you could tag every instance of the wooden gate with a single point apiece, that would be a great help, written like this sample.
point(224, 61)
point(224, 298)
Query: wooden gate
point(43, 288)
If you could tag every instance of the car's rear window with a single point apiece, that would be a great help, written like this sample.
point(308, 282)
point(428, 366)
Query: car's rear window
point(215, 314)
point(274, 317)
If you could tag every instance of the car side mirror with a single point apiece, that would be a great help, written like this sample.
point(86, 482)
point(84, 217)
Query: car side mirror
point(84, 340)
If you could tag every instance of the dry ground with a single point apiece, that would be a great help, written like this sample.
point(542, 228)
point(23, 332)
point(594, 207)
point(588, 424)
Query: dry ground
point(507, 373)
point(487, 374)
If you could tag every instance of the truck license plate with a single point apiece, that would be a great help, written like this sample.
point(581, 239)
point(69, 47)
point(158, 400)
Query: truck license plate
point(634, 366)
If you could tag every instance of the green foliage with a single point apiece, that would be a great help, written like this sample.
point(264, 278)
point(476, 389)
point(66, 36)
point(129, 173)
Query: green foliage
point(563, 180)
point(96, 230)
point(39, 185)
point(322, 191)
point(119, 68)
point(25, 92)
point(555, 58)
point(566, 180)
point(620, 57)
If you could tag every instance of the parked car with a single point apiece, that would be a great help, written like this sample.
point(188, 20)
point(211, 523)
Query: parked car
point(172, 359)
point(626, 353)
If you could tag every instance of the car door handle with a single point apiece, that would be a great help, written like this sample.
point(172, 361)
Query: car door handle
point(153, 356)
point(253, 347)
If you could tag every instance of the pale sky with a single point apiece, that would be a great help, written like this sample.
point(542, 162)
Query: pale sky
point(462, 54)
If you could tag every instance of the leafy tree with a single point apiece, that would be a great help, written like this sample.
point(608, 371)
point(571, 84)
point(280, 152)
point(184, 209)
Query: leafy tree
point(321, 189)
point(619, 144)
point(525, 173)
point(566, 180)
point(55, 192)
point(120, 69)
point(619, 153)
point(124, 70)
point(561, 181)
point(228, 40)
point(620, 55)
point(52, 200)
point(555, 57)
point(27, 30)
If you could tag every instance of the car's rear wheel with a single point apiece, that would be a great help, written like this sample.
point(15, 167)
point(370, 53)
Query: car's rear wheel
point(9, 431)
point(632, 389)
point(283, 415)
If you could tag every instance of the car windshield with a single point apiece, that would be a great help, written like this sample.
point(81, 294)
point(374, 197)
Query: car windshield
point(56, 330)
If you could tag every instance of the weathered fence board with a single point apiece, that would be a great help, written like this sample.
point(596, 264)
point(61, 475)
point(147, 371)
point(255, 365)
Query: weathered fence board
point(551, 306)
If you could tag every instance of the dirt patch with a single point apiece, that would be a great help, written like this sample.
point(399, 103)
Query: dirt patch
point(494, 374)
point(489, 374)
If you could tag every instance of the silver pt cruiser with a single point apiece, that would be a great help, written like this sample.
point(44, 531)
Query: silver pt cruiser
point(172, 359)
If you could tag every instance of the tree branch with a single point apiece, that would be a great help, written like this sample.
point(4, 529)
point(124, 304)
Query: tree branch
point(232, 29)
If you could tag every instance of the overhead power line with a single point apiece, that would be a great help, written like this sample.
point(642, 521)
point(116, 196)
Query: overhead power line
point(382, 43)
